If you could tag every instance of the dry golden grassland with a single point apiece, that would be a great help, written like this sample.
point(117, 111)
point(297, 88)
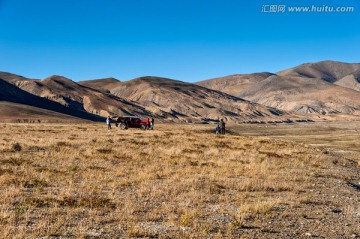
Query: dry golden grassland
point(177, 181)
point(341, 138)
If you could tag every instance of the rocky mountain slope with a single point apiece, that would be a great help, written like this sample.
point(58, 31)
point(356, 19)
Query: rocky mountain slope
point(330, 71)
point(339, 73)
point(17, 103)
point(314, 90)
point(321, 88)
point(75, 96)
point(165, 99)
point(105, 84)
point(171, 99)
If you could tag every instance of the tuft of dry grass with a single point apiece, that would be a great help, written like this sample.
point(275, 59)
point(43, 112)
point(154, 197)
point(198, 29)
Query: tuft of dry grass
point(16, 147)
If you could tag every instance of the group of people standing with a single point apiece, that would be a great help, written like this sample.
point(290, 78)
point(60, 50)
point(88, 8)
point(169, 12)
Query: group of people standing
point(150, 123)
point(220, 128)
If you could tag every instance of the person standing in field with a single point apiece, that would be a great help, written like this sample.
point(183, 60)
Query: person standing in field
point(152, 123)
point(217, 129)
point(222, 126)
point(108, 123)
point(147, 123)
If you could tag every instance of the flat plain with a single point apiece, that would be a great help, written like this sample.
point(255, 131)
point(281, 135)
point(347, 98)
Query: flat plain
point(180, 181)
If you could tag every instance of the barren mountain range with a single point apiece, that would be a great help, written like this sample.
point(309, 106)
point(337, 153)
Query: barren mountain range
point(321, 88)
point(308, 91)
point(165, 99)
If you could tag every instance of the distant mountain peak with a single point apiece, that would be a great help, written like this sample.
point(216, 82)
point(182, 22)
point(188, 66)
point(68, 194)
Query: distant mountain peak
point(105, 80)
point(154, 79)
point(60, 81)
point(58, 78)
point(330, 71)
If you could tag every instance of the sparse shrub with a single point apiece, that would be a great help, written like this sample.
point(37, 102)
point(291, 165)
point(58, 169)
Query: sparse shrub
point(190, 151)
point(62, 144)
point(271, 154)
point(93, 201)
point(36, 148)
point(38, 202)
point(264, 141)
point(223, 145)
point(94, 167)
point(73, 136)
point(194, 163)
point(13, 161)
point(140, 143)
point(216, 188)
point(3, 220)
point(19, 210)
point(200, 145)
point(74, 168)
point(185, 220)
point(36, 183)
point(238, 221)
point(16, 147)
point(104, 151)
point(257, 208)
point(6, 171)
point(143, 154)
point(137, 232)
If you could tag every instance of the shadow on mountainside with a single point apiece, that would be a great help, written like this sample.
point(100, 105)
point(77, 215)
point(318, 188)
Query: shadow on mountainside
point(14, 94)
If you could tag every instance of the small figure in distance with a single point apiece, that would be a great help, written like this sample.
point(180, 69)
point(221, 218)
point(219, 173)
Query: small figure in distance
point(217, 129)
point(108, 123)
point(152, 123)
point(147, 123)
point(222, 125)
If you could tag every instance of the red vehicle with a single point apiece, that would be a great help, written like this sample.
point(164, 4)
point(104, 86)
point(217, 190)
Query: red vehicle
point(126, 122)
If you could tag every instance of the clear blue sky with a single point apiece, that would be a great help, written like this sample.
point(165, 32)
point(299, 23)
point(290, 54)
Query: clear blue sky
point(188, 40)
